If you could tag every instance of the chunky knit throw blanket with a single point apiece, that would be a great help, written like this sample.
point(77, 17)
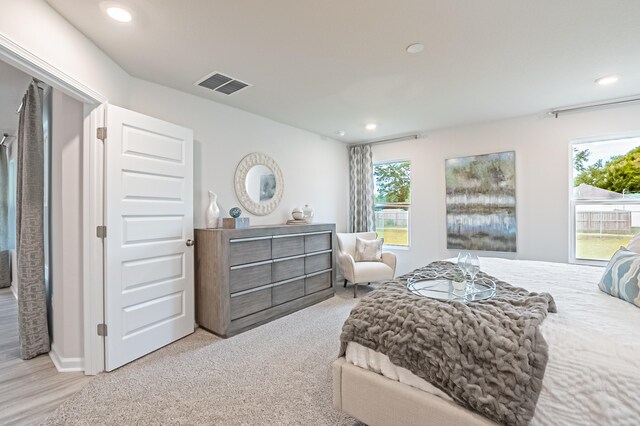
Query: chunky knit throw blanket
point(489, 356)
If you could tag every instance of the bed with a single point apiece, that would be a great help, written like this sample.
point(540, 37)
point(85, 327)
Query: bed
point(591, 377)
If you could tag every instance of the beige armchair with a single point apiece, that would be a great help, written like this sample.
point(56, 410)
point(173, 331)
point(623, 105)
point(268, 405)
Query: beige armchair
point(362, 272)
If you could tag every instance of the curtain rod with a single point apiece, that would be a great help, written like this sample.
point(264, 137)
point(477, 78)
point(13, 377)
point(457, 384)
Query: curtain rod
point(38, 83)
point(4, 138)
point(559, 111)
point(415, 136)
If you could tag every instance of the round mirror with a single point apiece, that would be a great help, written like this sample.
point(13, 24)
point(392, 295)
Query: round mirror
point(258, 183)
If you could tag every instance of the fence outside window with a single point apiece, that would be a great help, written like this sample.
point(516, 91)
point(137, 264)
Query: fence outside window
point(392, 217)
point(616, 222)
point(392, 201)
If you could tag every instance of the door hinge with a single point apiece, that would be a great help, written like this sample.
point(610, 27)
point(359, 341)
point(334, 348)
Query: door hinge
point(102, 133)
point(102, 330)
point(101, 231)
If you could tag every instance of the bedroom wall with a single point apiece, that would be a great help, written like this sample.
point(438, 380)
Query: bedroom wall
point(542, 151)
point(37, 28)
point(315, 169)
point(66, 231)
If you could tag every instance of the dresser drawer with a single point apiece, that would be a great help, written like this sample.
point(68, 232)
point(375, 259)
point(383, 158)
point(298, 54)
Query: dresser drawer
point(249, 303)
point(289, 291)
point(317, 262)
point(287, 246)
point(317, 242)
point(285, 269)
point(249, 277)
point(317, 282)
point(249, 250)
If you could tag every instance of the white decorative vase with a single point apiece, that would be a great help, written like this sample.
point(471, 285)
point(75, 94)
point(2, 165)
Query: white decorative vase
point(213, 211)
point(308, 213)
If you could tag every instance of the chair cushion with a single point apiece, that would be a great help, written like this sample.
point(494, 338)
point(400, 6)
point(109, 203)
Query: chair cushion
point(347, 242)
point(371, 272)
point(368, 250)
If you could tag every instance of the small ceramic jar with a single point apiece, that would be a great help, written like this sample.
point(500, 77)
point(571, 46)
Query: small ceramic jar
point(297, 213)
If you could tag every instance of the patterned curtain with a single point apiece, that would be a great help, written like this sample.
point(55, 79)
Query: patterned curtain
point(5, 259)
point(361, 215)
point(32, 297)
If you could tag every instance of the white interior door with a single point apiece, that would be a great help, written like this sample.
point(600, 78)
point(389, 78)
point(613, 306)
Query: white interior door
point(149, 288)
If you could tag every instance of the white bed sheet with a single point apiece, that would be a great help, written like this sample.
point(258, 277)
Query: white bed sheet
point(593, 373)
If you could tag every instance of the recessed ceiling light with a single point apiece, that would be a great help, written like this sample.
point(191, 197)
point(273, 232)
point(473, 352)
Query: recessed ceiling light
point(415, 48)
point(603, 81)
point(119, 14)
point(371, 126)
point(341, 133)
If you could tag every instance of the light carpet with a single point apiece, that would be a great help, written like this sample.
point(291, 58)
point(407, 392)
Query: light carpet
point(276, 374)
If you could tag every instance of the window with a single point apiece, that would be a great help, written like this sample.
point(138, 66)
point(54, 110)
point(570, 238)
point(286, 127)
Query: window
point(605, 197)
point(392, 201)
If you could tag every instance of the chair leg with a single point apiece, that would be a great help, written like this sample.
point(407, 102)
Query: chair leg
point(345, 283)
point(355, 290)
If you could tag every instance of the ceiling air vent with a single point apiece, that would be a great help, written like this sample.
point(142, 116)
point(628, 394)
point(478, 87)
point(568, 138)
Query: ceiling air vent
point(221, 83)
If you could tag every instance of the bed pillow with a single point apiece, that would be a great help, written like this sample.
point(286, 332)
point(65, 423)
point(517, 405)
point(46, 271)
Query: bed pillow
point(369, 250)
point(621, 278)
point(634, 244)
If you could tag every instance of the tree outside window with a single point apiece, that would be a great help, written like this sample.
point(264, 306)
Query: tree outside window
point(393, 201)
point(605, 197)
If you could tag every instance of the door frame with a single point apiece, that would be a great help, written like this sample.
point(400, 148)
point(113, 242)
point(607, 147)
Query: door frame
point(92, 189)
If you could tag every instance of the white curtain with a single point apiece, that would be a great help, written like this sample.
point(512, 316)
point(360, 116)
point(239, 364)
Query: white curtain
point(32, 296)
point(361, 213)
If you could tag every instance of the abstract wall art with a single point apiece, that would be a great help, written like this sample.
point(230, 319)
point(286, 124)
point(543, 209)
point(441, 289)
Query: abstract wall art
point(481, 202)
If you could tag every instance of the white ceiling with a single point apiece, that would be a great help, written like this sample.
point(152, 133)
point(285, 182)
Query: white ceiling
point(13, 85)
point(336, 65)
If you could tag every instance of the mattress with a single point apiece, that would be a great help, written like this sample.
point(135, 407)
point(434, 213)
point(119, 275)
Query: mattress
point(592, 376)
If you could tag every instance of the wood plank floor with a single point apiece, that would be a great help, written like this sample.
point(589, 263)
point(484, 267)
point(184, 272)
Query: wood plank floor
point(29, 390)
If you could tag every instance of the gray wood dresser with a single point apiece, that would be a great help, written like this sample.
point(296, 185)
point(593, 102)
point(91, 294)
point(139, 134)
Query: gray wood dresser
point(246, 277)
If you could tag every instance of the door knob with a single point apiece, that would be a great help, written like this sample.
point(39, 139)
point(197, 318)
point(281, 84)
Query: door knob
point(190, 243)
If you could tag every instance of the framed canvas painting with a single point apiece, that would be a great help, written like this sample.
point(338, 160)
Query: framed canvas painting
point(481, 202)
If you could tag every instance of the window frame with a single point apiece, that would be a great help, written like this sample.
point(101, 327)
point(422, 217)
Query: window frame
point(408, 205)
point(573, 203)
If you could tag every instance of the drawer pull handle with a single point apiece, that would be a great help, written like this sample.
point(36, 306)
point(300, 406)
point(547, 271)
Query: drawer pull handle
point(283, 259)
point(318, 233)
point(318, 273)
point(242, 240)
point(315, 253)
point(263, 287)
point(275, 237)
point(249, 265)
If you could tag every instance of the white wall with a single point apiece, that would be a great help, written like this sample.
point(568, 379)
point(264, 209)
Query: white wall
point(66, 227)
point(36, 27)
point(542, 182)
point(315, 169)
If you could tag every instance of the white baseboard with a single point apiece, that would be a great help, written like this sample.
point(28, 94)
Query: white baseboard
point(65, 365)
